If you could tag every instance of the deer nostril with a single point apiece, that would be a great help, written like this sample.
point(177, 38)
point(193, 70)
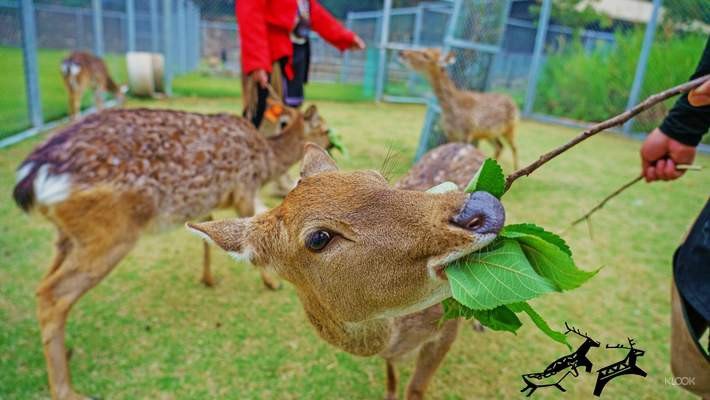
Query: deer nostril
point(482, 213)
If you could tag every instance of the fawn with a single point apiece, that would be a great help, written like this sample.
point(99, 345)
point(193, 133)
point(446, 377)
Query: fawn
point(466, 116)
point(367, 260)
point(112, 175)
point(81, 70)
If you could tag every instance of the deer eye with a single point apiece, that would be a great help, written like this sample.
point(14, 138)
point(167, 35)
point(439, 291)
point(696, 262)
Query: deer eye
point(317, 240)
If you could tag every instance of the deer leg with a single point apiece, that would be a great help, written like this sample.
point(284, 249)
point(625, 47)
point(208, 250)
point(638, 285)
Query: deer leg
point(509, 137)
point(430, 357)
point(498, 145)
point(557, 385)
point(80, 269)
point(74, 103)
point(392, 381)
point(207, 278)
point(99, 97)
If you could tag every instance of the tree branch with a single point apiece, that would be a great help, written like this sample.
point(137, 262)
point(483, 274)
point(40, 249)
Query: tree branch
point(617, 120)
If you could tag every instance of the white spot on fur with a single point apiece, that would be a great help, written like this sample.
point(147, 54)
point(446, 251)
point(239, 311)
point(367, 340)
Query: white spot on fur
point(50, 189)
point(199, 233)
point(23, 171)
point(74, 69)
point(244, 256)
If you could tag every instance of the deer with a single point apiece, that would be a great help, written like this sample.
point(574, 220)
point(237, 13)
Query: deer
point(466, 116)
point(367, 260)
point(627, 366)
point(82, 70)
point(551, 375)
point(104, 180)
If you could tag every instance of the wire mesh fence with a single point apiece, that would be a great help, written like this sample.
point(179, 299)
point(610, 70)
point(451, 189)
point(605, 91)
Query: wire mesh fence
point(578, 64)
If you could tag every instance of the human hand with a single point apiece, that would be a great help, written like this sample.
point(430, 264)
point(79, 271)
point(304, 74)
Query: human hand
point(700, 96)
point(660, 154)
point(358, 43)
point(261, 77)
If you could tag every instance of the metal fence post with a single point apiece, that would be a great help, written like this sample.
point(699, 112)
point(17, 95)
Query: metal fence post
point(346, 58)
point(198, 27)
point(154, 42)
point(382, 59)
point(29, 61)
point(98, 27)
point(181, 30)
point(537, 55)
point(167, 46)
point(505, 13)
point(416, 41)
point(643, 62)
point(78, 15)
point(131, 22)
point(451, 27)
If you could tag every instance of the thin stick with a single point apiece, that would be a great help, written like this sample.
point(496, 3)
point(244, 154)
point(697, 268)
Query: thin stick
point(679, 167)
point(606, 199)
point(617, 120)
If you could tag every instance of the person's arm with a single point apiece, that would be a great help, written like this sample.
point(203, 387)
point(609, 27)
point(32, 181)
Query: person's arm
point(685, 122)
point(251, 17)
point(331, 30)
point(675, 140)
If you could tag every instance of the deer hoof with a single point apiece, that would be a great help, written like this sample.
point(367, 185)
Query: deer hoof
point(274, 286)
point(207, 282)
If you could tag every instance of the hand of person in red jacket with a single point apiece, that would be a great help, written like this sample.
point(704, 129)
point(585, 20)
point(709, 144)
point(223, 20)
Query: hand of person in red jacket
point(358, 43)
point(261, 77)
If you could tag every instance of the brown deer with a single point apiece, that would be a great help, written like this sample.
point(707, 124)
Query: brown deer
point(466, 116)
point(82, 70)
point(367, 260)
point(112, 175)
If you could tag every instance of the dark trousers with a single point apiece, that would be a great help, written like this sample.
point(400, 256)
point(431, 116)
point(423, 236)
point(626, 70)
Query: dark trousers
point(292, 88)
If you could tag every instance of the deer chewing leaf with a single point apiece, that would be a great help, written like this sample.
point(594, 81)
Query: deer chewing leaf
point(524, 262)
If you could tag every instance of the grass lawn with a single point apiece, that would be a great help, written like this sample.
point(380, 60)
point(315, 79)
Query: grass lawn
point(150, 330)
point(13, 108)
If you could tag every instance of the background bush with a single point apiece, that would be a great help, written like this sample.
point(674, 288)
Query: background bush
point(593, 85)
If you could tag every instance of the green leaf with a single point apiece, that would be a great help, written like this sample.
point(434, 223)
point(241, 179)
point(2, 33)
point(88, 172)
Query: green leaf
point(540, 322)
point(552, 263)
point(489, 178)
point(337, 143)
point(453, 309)
point(500, 318)
point(443, 187)
point(499, 275)
point(519, 230)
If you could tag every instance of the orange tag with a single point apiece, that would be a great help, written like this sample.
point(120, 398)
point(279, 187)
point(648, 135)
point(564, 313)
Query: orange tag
point(273, 112)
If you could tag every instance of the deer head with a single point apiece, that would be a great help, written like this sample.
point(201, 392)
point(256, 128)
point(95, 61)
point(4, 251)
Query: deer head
point(279, 117)
point(592, 342)
point(426, 60)
point(630, 348)
point(356, 248)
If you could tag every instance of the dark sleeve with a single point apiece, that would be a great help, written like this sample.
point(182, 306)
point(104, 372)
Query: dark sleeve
point(685, 123)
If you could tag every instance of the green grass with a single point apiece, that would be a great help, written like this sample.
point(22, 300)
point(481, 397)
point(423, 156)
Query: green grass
point(150, 330)
point(53, 93)
point(206, 85)
point(13, 108)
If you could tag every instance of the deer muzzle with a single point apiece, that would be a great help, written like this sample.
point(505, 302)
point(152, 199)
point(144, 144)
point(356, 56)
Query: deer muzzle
point(482, 214)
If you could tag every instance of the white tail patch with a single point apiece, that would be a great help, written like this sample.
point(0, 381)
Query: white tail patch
point(65, 68)
point(49, 189)
point(74, 69)
point(23, 171)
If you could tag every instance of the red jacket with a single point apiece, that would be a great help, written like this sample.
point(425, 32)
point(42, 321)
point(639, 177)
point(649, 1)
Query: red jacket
point(265, 26)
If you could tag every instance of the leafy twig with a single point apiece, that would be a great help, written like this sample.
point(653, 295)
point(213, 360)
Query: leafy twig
point(617, 120)
point(680, 167)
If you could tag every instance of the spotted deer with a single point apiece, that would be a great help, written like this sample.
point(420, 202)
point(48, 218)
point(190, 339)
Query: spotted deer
point(466, 115)
point(82, 70)
point(367, 260)
point(107, 178)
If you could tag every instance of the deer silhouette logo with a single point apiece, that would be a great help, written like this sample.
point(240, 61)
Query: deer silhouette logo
point(624, 367)
point(558, 370)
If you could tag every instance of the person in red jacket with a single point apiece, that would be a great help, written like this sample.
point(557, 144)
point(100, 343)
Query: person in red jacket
point(274, 42)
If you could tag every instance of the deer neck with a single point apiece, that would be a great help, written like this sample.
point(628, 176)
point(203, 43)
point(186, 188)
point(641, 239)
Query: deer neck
point(364, 338)
point(444, 88)
point(584, 347)
point(287, 148)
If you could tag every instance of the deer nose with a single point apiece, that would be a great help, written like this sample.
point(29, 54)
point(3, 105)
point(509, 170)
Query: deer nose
point(482, 213)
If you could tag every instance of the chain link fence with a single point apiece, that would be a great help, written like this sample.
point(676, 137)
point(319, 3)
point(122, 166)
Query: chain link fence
point(563, 61)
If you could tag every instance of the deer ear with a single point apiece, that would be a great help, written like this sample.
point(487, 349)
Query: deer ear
point(229, 234)
point(449, 59)
point(311, 112)
point(316, 161)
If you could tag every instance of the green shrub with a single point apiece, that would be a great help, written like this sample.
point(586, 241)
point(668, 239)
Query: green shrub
point(595, 85)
